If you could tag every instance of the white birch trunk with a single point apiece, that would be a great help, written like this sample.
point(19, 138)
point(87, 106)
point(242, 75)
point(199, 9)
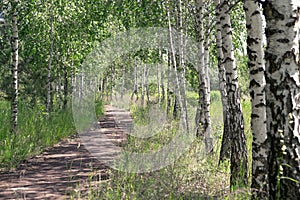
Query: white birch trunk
point(238, 159)
point(283, 98)
point(123, 82)
point(225, 148)
point(48, 107)
point(178, 96)
point(15, 63)
point(256, 64)
point(203, 122)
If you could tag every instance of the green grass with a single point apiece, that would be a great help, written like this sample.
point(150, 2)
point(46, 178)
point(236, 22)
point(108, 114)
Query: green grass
point(36, 131)
point(194, 175)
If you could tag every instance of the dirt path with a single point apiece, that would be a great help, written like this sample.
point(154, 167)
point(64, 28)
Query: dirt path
point(59, 170)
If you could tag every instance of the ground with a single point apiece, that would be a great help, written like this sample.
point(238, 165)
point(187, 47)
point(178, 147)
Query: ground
point(68, 166)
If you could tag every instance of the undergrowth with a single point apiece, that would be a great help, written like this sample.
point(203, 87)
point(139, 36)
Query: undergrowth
point(195, 175)
point(36, 131)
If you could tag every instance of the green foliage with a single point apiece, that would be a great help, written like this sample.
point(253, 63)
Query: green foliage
point(192, 98)
point(99, 108)
point(36, 131)
point(243, 72)
point(215, 96)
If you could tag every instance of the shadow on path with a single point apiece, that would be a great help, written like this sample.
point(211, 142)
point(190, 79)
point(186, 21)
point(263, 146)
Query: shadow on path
point(59, 170)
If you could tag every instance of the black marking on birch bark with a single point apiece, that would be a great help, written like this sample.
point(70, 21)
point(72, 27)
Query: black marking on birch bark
point(256, 71)
point(255, 116)
point(254, 83)
point(260, 105)
point(290, 24)
point(251, 41)
point(256, 12)
point(285, 40)
point(270, 32)
point(271, 13)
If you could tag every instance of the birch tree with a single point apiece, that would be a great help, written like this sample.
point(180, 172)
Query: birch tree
point(15, 63)
point(225, 148)
point(49, 88)
point(256, 64)
point(203, 109)
point(282, 97)
point(180, 100)
point(238, 157)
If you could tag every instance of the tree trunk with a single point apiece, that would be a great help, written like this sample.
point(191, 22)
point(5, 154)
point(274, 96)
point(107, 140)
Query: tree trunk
point(49, 99)
point(14, 70)
point(283, 98)
point(203, 123)
point(162, 76)
point(179, 101)
point(135, 87)
point(60, 93)
point(168, 84)
point(199, 121)
point(256, 64)
point(66, 86)
point(182, 65)
point(158, 83)
point(123, 82)
point(207, 125)
point(147, 83)
point(225, 147)
point(238, 159)
point(143, 85)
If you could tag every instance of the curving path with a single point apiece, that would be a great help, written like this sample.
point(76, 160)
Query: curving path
point(59, 170)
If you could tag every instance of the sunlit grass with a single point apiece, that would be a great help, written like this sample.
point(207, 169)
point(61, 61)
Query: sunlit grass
point(195, 175)
point(36, 130)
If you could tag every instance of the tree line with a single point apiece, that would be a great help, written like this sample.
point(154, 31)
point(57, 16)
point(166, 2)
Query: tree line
point(43, 44)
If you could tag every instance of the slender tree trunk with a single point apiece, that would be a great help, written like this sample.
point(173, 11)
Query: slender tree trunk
point(135, 87)
point(81, 89)
point(66, 86)
point(60, 93)
point(283, 98)
point(49, 88)
point(112, 79)
point(256, 64)
point(207, 125)
point(178, 96)
point(238, 159)
point(123, 82)
point(14, 70)
point(147, 84)
point(225, 151)
point(107, 86)
point(158, 84)
point(182, 65)
point(199, 121)
point(168, 85)
point(143, 85)
point(203, 123)
point(162, 75)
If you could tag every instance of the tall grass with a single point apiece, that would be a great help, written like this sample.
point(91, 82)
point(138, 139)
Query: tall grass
point(36, 130)
point(194, 175)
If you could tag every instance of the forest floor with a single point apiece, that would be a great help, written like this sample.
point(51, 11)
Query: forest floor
point(68, 166)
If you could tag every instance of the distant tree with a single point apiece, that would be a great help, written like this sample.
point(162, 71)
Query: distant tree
point(15, 64)
point(203, 122)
